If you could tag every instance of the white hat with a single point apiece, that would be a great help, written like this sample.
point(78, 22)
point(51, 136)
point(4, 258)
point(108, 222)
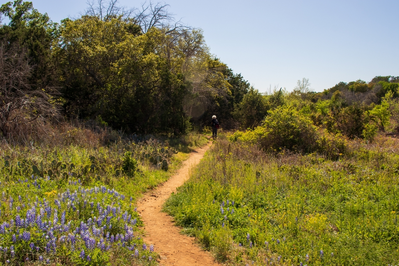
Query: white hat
point(214, 116)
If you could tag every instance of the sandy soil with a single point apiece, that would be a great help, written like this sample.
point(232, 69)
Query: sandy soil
point(173, 247)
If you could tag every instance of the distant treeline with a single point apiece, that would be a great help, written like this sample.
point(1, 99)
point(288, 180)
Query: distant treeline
point(140, 71)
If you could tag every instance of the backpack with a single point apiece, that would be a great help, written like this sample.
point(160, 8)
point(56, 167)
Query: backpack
point(216, 123)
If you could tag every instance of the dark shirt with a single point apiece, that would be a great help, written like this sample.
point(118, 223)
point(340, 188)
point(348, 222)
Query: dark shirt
point(214, 122)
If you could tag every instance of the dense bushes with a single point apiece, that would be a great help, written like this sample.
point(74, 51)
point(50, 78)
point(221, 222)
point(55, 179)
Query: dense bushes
point(286, 128)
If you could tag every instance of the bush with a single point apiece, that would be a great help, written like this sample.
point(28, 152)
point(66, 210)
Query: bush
point(286, 128)
point(331, 145)
point(129, 164)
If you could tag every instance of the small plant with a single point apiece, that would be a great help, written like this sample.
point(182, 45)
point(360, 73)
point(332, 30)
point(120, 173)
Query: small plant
point(129, 165)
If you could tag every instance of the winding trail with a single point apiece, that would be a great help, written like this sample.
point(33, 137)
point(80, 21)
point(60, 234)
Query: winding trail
point(173, 247)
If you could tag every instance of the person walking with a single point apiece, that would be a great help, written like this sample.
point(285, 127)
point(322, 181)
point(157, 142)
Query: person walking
point(215, 126)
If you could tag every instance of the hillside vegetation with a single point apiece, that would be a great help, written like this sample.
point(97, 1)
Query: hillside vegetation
point(96, 110)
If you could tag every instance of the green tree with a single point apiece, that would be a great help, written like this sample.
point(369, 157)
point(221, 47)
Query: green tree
point(252, 109)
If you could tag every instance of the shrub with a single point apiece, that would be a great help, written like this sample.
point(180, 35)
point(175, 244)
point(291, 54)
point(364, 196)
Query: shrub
point(331, 145)
point(286, 128)
point(129, 164)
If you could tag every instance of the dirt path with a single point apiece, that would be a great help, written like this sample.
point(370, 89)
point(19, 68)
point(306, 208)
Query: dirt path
point(174, 248)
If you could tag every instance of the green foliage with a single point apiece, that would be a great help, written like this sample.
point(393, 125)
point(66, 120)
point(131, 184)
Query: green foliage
point(369, 132)
point(290, 209)
point(381, 115)
point(86, 192)
point(349, 121)
point(252, 109)
point(286, 128)
point(129, 165)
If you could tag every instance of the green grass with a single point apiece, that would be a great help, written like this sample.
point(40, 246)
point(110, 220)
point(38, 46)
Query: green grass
point(94, 185)
point(248, 206)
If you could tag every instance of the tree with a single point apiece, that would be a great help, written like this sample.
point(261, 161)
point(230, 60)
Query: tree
point(252, 109)
point(20, 104)
point(33, 33)
point(303, 86)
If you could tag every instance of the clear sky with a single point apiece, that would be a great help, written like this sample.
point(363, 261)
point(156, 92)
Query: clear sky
point(274, 43)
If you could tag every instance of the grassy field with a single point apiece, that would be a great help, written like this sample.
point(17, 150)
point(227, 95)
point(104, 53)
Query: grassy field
point(254, 208)
point(73, 203)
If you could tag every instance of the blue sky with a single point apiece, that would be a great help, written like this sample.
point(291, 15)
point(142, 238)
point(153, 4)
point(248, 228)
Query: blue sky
point(274, 43)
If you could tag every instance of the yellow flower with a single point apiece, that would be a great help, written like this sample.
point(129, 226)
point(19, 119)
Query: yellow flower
point(51, 193)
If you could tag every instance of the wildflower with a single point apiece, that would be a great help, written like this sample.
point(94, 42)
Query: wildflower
point(41, 258)
point(248, 236)
point(152, 248)
point(26, 236)
point(307, 257)
point(88, 258)
point(321, 253)
point(136, 253)
point(278, 241)
point(250, 244)
point(82, 254)
point(221, 210)
point(144, 246)
point(32, 245)
point(149, 258)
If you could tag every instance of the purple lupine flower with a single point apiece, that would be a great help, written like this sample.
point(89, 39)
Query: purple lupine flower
point(250, 244)
point(17, 220)
point(26, 236)
point(40, 258)
point(32, 245)
point(14, 238)
point(278, 241)
point(136, 253)
point(223, 224)
point(221, 209)
point(307, 257)
point(63, 218)
point(266, 243)
point(144, 246)
point(82, 254)
point(321, 253)
point(150, 258)
point(248, 236)
point(152, 248)
point(88, 258)
point(48, 211)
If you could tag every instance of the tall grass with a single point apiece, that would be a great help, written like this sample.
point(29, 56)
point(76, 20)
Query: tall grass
point(69, 198)
point(250, 206)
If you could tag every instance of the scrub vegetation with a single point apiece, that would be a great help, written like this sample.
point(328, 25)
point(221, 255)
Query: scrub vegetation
point(96, 110)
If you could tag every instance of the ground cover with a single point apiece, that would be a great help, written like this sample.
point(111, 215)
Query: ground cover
point(291, 209)
point(74, 204)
